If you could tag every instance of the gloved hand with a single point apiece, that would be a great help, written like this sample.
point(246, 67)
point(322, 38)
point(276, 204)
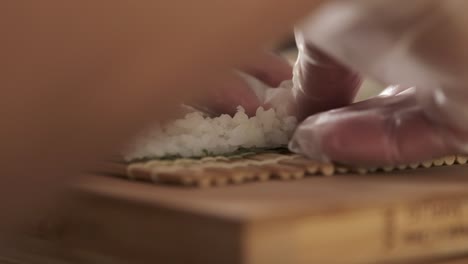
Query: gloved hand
point(321, 83)
point(267, 68)
point(418, 43)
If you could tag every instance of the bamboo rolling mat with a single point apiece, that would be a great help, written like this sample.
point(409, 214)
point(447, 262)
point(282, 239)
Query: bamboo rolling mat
point(222, 171)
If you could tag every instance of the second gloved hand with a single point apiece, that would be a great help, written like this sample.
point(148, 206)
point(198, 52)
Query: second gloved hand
point(417, 43)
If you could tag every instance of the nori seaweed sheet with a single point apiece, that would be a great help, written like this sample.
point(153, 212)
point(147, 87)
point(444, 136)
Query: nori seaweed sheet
point(237, 153)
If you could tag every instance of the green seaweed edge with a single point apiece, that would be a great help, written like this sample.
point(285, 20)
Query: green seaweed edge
point(242, 152)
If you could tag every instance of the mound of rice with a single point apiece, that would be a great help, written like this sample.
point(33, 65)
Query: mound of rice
point(197, 135)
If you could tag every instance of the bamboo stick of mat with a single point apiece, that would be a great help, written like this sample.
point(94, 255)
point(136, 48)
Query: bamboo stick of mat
point(222, 171)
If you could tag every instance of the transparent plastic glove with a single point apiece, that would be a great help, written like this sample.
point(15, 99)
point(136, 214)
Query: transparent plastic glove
point(267, 69)
point(418, 43)
point(320, 83)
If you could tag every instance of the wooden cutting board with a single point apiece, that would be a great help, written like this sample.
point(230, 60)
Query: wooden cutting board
point(376, 218)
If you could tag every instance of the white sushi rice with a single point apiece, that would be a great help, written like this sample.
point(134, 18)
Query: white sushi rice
point(197, 135)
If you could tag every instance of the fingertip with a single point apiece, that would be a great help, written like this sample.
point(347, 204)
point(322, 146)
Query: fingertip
point(251, 104)
point(270, 68)
point(267, 106)
point(236, 92)
point(307, 140)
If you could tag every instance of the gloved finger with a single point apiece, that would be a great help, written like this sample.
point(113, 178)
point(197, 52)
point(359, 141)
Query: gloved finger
point(269, 68)
point(234, 92)
point(383, 131)
point(395, 90)
point(246, 88)
point(320, 82)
